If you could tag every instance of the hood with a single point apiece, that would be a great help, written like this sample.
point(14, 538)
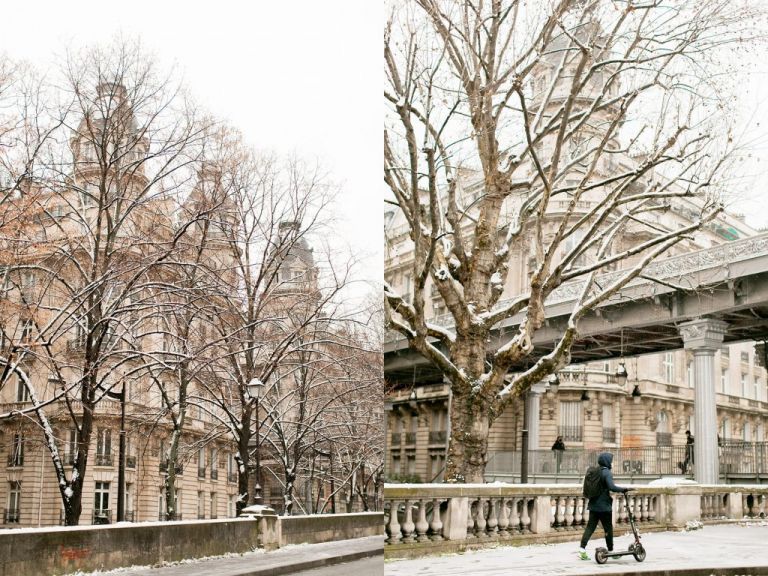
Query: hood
point(605, 459)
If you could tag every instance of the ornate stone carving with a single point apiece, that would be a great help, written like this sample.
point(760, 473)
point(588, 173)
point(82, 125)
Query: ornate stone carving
point(703, 334)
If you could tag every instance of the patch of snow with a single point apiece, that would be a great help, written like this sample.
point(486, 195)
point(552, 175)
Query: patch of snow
point(670, 481)
point(442, 273)
point(68, 493)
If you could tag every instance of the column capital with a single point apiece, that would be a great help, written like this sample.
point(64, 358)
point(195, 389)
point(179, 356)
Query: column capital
point(539, 387)
point(703, 334)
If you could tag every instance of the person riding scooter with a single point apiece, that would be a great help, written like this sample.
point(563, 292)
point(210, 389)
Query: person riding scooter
point(601, 506)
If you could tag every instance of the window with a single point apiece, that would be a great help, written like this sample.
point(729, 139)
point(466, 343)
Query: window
point(570, 243)
point(436, 467)
point(725, 429)
point(407, 287)
point(103, 447)
point(724, 376)
point(570, 421)
point(214, 506)
point(668, 367)
point(71, 455)
point(760, 433)
point(756, 387)
point(22, 392)
point(745, 357)
point(746, 432)
point(609, 424)
point(663, 435)
point(743, 385)
point(16, 456)
point(396, 466)
point(26, 331)
point(201, 463)
point(27, 283)
point(200, 504)
point(410, 463)
point(101, 500)
point(14, 503)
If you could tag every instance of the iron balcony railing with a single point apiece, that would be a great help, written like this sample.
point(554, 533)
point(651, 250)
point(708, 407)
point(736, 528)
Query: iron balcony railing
point(570, 433)
point(11, 515)
point(736, 459)
point(130, 461)
point(214, 474)
point(103, 460)
point(663, 438)
point(410, 438)
point(609, 435)
point(438, 437)
point(102, 516)
point(15, 460)
point(232, 477)
point(201, 472)
point(395, 439)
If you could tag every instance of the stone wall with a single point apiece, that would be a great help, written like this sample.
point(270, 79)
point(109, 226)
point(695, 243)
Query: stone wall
point(66, 550)
point(329, 527)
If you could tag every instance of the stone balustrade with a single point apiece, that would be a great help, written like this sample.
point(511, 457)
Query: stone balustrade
point(419, 516)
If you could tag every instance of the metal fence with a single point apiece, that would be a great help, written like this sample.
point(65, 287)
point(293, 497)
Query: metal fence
point(736, 458)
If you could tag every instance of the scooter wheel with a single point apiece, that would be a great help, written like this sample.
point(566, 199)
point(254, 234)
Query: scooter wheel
point(639, 553)
point(600, 556)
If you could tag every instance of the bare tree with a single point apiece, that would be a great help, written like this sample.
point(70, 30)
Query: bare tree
point(91, 258)
point(544, 138)
point(312, 407)
point(272, 295)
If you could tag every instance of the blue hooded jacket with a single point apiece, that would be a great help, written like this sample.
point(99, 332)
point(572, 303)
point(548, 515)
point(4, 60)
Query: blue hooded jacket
point(603, 501)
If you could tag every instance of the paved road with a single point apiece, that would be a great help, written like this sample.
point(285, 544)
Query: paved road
point(367, 567)
point(716, 549)
point(297, 559)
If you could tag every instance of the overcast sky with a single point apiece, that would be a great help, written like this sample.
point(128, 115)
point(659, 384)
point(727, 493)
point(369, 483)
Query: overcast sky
point(300, 76)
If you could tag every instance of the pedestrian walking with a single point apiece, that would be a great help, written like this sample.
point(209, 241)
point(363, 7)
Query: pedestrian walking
point(688, 451)
point(600, 506)
point(558, 448)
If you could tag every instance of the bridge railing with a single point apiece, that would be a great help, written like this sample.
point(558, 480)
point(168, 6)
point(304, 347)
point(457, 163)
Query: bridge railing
point(736, 459)
point(423, 518)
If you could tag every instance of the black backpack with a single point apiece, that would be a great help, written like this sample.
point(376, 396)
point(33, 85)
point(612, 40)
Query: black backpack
point(593, 482)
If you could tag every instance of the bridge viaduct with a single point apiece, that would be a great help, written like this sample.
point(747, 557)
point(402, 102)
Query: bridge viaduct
point(699, 301)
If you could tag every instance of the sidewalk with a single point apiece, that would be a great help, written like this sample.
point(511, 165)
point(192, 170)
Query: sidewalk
point(714, 550)
point(286, 560)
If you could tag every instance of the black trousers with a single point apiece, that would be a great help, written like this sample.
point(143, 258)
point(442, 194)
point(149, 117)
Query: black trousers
point(606, 519)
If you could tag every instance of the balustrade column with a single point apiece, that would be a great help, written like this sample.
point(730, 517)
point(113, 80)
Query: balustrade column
point(704, 336)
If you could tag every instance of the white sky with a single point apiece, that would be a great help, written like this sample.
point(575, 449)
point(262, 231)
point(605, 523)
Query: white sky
point(300, 76)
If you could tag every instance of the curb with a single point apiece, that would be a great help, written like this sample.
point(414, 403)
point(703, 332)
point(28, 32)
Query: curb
point(724, 571)
point(291, 568)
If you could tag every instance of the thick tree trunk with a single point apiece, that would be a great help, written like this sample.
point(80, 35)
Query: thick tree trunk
point(468, 444)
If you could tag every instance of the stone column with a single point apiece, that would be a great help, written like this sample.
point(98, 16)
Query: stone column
point(704, 336)
point(533, 398)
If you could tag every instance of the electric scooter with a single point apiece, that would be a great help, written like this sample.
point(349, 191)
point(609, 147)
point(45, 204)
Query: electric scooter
point(635, 549)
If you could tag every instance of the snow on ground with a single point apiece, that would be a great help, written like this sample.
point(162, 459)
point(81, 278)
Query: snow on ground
point(732, 545)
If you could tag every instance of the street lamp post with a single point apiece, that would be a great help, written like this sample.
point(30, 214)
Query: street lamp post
point(255, 387)
point(121, 463)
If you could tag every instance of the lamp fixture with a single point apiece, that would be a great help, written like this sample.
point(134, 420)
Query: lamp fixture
point(636, 394)
point(554, 382)
point(621, 374)
point(584, 396)
point(621, 370)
